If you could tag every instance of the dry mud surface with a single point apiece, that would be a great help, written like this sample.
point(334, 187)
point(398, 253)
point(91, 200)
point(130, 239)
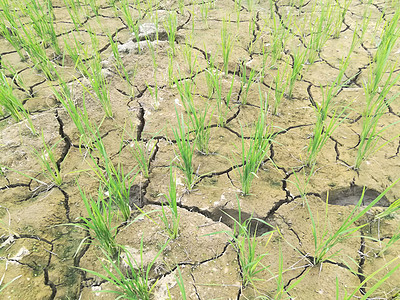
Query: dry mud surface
point(37, 243)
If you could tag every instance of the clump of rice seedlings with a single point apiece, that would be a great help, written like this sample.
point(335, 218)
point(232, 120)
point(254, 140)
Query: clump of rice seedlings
point(12, 105)
point(73, 8)
point(204, 9)
point(279, 36)
point(245, 83)
point(100, 222)
point(197, 119)
point(171, 27)
point(281, 82)
point(50, 165)
point(93, 5)
point(185, 147)
point(324, 240)
point(42, 21)
point(142, 153)
point(188, 54)
point(367, 295)
point(321, 30)
point(97, 80)
point(132, 283)
point(171, 224)
point(119, 64)
point(256, 153)
point(246, 243)
point(226, 45)
point(16, 78)
point(116, 182)
point(340, 14)
point(299, 59)
point(129, 19)
point(170, 69)
point(376, 91)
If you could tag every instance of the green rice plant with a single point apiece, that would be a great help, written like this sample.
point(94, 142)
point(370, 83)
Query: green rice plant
point(100, 222)
point(179, 281)
point(116, 182)
point(97, 80)
point(172, 227)
point(282, 289)
point(73, 8)
point(42, 21)
point(188, 54)
point(197, 120)
point(215, 84)
point(170, 69)
point(369, 278)
point(11, 35)
point(281, 82)
point(204, 9)
point(339, 18)
point(324, 241)
point(256, 153)
point(299, 59)
point(279, 36)
point(37, 53)
point(245, 241)
point(245, 82)
point(393, 207)
point(119, 64)
point(171, 27)
point(186, 152)
point(16, 78)
point(12, 105)
point(142, 153)
point(93, 5)
point(129, 19)
point(226, 45)
point(321, 29)
point(131, 284)
point(376, 106)
point(48, 162)
point(323, 130)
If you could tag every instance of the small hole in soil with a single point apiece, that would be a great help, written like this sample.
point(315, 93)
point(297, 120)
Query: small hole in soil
point(352, 195)
point(222, 215)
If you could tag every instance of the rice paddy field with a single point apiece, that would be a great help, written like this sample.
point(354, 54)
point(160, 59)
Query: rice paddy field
point(195, 149)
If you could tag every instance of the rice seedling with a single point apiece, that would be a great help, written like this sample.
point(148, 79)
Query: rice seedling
point(299, 59)
point(12, 36)
point(42, 22)
point(376, 105)
point(12, 105)
point(279, 36)
point(170, 27)
point(321, 29)
point(245, 83)
point(134, 283)
point(281, 81)
point(188, 54)
point(73, 8)
point(100, 222)
point(129, 19)
point(93, 5)
point(226, 45)
point(256, 153)
point(186, 152)
point(50, 165)
point(97, 80)
point(179, 281)
point(197, 120)
point(245, 241)
point(172, 227)
point(324, 241)
point(116, 182)
point(369, 278)
point(16, 78)
point(204, 9)
point(340, 14)
point(143, 153)
point(119, 64)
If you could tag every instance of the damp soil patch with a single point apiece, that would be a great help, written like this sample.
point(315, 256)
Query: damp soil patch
point(353, 195)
